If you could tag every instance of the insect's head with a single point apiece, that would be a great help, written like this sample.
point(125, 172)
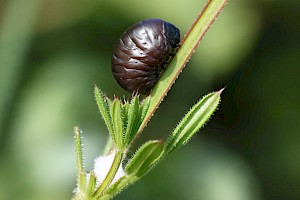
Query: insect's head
point(172, 33)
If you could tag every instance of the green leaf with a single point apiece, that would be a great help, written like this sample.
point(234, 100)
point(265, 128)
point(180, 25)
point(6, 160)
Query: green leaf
point(193, 121)
point(104, 107)
point(142, 113)
point(118, 186)
point(78, 142)
point(81, 185)
point(117, 121)
point(147, 155)
point(133, 111)
point(125, 114)
point(91, 184)
point(80, 169)
point(145, 107)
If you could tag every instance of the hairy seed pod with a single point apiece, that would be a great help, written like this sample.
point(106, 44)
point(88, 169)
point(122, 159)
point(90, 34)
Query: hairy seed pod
point(141, 53)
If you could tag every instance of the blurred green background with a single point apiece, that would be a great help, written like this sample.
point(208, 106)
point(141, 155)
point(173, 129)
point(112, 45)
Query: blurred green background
point(53, 51)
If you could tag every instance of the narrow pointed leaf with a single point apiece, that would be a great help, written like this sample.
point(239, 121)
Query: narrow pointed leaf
point(118, 186)
point(133, 111)
point(125, 113)
point(117, 121)
point(104, 107)
point(193, 121)
point(80, 163)
point(148, 154)
point(142, 113)
point(91, 184)
point(81, 185)
point(145, 107)
point(78, 141)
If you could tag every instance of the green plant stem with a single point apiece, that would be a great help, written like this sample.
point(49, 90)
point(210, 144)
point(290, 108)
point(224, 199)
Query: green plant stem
point(188, 45)
point(110, 175)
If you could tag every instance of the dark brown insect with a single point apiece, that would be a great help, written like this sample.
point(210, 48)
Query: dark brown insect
point(141, 53)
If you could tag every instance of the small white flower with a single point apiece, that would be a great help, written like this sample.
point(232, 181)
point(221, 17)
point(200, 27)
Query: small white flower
point(102, 164)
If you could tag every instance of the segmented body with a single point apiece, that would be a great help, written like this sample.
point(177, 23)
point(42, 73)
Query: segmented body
point(140, 53)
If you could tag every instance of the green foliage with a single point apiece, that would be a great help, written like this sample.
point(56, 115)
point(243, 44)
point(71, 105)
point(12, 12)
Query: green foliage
point(193, 121)
point(122, 119)
point(147, 155)
point(104, 108)
point(125, 120)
